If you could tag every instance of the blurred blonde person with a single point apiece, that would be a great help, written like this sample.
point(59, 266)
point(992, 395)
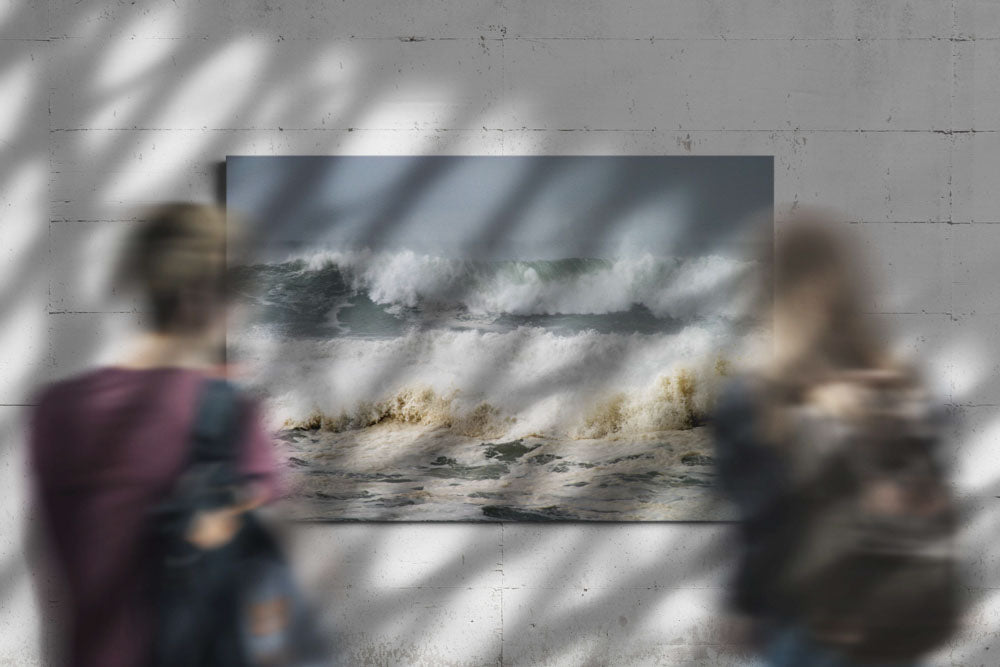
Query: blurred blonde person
point(829, 438)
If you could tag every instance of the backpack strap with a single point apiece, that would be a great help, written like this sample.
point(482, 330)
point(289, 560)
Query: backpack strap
point(213, 437)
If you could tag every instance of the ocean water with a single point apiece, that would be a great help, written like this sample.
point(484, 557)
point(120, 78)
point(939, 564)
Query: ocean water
point(367, 294)
point(424, 356)
point(540, 341)
point(411, 472)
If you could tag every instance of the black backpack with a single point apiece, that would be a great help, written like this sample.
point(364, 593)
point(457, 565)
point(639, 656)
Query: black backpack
point(236, 605)
point(872, 567)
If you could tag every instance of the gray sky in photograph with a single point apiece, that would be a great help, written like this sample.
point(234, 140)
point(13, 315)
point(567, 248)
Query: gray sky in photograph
point(503, 207)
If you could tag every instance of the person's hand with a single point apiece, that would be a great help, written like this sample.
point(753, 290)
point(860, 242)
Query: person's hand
point(842, 399)
point(214, 528)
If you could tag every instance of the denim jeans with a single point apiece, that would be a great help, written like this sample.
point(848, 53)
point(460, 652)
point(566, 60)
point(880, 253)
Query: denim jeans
point(792, 647)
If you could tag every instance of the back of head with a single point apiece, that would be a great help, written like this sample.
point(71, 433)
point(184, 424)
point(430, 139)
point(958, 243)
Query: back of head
point(177, 260)
point(820, 327)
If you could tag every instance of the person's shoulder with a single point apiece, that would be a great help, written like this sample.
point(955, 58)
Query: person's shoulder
point(741, 392)
point(57, 392)
point(58, 404)
point(86, 384)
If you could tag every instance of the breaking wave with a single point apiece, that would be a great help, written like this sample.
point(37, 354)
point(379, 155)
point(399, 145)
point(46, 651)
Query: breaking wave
point(516, 382)
point(668, 287)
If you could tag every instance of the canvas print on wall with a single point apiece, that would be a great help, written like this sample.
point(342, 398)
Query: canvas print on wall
point(498, 338)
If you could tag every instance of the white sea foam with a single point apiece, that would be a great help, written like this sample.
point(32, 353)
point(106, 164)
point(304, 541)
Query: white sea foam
point(707, 286)
point(533, 380)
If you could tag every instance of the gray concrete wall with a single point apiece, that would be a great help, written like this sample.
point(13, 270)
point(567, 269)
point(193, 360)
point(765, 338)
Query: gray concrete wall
point(887, 110)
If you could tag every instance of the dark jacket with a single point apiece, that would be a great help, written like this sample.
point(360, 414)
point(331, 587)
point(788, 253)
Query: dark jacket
point(753, 476)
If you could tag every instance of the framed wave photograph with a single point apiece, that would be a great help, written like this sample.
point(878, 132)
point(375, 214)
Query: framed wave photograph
point(499, 338)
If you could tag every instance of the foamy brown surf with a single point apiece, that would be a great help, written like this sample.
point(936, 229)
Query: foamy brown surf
point(494, 384)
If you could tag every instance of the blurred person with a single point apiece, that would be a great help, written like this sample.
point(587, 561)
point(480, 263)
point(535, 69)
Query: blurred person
point(830, 453)
point(109, 447)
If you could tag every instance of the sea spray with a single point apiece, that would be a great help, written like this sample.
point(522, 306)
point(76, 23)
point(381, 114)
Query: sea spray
point(416, 405)
point(543, 380)
point(669, 287)
point(677, 401)
point(579, 347)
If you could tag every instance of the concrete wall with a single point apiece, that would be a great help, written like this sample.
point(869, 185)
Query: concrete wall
point(887, 110)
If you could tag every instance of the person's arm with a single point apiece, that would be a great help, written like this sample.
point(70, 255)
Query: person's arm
point(751, 473)
point(211, 529)
point(752, 476)
point(256, 462)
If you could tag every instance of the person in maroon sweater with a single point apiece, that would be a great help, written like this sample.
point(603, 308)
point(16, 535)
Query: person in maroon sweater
point(108, 446)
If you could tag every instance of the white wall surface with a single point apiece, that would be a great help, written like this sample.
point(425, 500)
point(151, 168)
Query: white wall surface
point(888, 110)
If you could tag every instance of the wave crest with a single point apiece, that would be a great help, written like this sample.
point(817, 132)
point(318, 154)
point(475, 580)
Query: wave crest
point(413, 405)
point(676, 401)
point(672, 287)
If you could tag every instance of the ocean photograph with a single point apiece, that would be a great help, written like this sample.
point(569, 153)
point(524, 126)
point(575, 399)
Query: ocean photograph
point(498, 338)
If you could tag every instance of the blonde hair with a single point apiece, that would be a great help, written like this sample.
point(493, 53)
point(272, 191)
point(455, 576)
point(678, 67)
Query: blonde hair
point(177, 259)
point(820, 327)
